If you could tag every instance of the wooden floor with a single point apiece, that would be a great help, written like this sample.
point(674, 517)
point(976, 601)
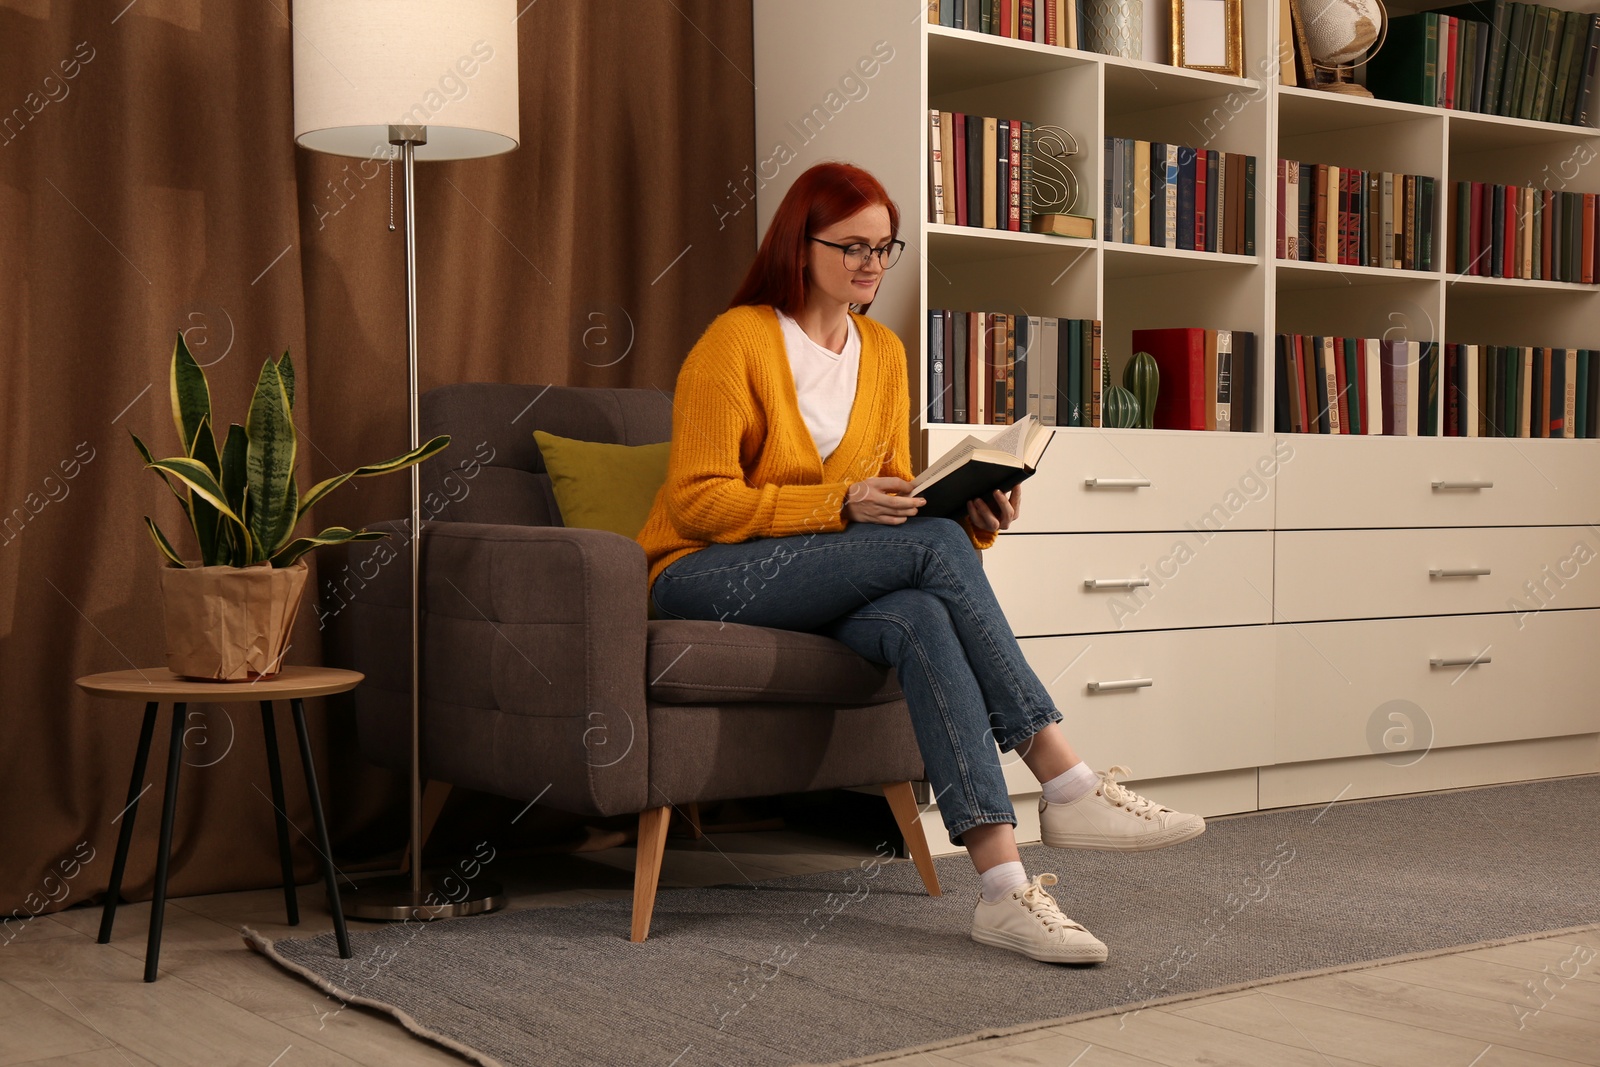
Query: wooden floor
point(65, 1000)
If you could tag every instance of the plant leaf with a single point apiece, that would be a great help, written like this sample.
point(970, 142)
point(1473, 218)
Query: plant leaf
point(322, 489)
point(286, 372)
point(205, 519)
point(194, 474)
point(333, 535)
point(144, 453)
point(235, 479)
point(191, 396)
point(269, 462)
point(161, 542)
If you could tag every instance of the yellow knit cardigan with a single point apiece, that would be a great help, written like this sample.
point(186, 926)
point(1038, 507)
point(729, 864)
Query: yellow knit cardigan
point(742, 462)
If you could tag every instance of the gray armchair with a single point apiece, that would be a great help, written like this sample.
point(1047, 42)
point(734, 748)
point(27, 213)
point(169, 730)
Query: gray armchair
point(544, 679)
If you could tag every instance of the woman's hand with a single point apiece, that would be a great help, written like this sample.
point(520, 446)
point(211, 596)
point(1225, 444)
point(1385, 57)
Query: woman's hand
point(997, 515)
point(881, 500)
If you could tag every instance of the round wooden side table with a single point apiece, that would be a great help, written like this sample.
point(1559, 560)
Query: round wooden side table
point(157, 684)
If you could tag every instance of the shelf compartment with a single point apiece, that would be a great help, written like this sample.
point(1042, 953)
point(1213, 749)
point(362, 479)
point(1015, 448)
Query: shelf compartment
point(960, 60)
point(1142, 261)
point(1477, 283)
point(1474, 132)
point(1311, 111)
point(1298, 274)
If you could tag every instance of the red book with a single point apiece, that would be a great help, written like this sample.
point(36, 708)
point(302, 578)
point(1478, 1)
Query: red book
point(1511, 262)
point(1475, 249)
point(1200, 158)
point(1052, 32)
point(1181, 356)
point(1003, 19)
point(1342, 384)
point(1283, 222)
point(1014, 178)
point(958, 123)
point(1587, 257)
point(1448, 29)
point(1025, 16)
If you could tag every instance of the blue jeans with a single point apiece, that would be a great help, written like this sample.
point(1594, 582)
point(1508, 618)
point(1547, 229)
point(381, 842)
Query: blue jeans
point(913, 596)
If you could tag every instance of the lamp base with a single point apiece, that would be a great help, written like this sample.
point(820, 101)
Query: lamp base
point(393, 900)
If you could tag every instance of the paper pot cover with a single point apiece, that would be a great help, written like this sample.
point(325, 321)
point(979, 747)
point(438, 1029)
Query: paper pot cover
point(230, 624)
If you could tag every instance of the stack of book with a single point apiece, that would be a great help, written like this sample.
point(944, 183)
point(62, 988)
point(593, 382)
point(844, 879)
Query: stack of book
point(1505, 231)
point(1500, 58)
point(980, 173)
point(1040, 21)
point(994, 368)
point(1172, 196)
point(1505, 391)
point(1367, 218)
point(1208, 377)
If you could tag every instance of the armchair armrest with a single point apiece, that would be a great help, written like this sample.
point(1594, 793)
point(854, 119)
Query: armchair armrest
point(534, 664)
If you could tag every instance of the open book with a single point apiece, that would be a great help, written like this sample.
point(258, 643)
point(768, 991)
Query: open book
point(977, 468)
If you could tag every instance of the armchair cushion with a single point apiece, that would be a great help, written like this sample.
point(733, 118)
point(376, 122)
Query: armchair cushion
point(698, 662)
point(601, 486)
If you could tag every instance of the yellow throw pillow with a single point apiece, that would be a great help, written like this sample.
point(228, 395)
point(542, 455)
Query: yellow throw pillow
point(602, 486)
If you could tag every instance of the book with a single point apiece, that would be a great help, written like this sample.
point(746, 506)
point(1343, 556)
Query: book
point(976, 468)
point(1064, 225)
point(1181, 356)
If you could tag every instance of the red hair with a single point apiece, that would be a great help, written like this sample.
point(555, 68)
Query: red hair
point(826, 194)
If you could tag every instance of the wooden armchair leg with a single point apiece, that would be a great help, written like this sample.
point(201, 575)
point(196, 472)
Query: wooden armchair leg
point(647, 867)
point(691, 812)
point(903, 802)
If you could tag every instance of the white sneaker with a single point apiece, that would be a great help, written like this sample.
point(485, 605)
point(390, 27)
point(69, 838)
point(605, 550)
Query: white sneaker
point(1028, 920)
point(1115, 819)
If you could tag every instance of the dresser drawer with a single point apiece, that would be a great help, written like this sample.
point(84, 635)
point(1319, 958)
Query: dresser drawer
point(1145, 581)
point(1398, 686)
point(1361, 481)
point(1355, 574)
point(1145, 480)
point(1162, 703)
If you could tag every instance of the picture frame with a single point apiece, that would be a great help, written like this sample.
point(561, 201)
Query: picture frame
point(1208, 35)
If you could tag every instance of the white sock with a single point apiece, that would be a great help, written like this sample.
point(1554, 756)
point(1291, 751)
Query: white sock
point(1001, 879)
point(1069, 785)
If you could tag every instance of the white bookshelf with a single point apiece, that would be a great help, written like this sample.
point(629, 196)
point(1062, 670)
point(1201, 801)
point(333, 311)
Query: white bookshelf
point(1264, 705)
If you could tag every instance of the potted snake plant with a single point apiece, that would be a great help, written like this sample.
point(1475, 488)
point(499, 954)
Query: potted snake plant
point(229, 613)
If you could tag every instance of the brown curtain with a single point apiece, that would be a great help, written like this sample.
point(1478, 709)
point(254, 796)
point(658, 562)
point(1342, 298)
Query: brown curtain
point(149, 184)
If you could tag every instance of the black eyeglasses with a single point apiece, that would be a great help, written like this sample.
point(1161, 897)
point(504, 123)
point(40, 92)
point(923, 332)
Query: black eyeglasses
point(856, 255)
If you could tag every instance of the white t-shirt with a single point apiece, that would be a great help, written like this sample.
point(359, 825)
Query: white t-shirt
point(824, 381)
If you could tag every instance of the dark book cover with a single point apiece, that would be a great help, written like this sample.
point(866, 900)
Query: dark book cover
point(1027, 177)
point(1000, 169)
point(1592, 391)
point(1308, 202)
point(1558, 394)
point(1397, 71)
point(1074, 373)
point(1319, 216)
point(1213, 187)
point(1341, 381)
point(956, 366)
point(1243, 419)
point(1186, 197)
point(1452, 396)
point(1426, 223)
point(1350, 414)
point(958, 141)
point(1106, 212)
point(1497, 230)
point(1563, 94)
point(1158, 195)
point(1317, 368)
point(976, 165)
point(1250, 209)
point(1585, 110)
point(1539, 416)
point(1515, 64)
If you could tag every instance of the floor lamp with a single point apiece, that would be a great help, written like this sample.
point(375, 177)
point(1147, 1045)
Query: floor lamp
point(409, 80)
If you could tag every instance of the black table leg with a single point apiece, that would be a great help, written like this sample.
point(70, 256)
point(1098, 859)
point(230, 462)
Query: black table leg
point(169, 805)
point(328, 873)
point(275, 770)
point(108, 914)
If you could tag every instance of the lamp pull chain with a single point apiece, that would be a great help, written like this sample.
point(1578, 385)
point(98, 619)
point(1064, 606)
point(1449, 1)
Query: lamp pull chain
point(391, 192)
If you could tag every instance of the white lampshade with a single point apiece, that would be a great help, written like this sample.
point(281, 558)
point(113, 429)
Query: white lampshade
point(361, 66)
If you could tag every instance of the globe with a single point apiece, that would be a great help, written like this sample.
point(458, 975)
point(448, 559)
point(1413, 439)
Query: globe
point(1340, 32)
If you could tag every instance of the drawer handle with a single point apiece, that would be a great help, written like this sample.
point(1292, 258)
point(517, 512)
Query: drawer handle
point(1114, 583)
point(1457, 572)
point(1469, 483)
point(1116, 483)
point(1125, 683)
point(1458, 661)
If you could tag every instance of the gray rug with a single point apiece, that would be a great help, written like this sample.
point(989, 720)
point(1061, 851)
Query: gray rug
point(852, 964)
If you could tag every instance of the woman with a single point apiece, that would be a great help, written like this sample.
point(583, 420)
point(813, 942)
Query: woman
point(787, 504)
